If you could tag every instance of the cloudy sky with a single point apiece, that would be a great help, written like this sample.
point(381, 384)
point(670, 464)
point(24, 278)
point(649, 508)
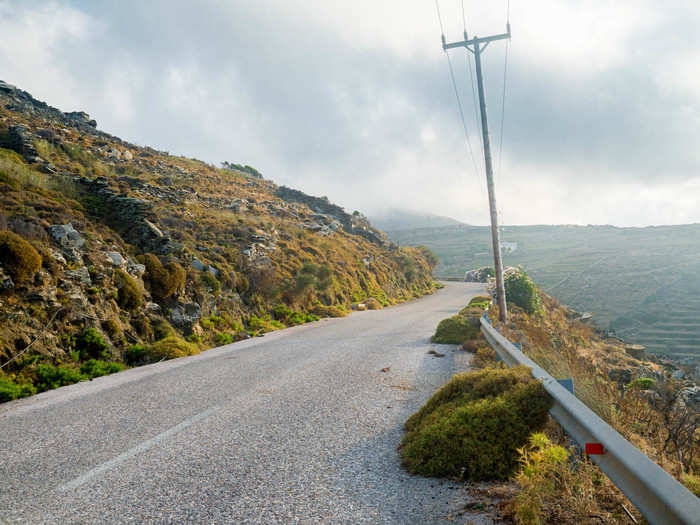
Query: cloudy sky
point(353, 99)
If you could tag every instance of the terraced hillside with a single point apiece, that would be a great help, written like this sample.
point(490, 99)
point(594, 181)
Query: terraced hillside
point(643, 283)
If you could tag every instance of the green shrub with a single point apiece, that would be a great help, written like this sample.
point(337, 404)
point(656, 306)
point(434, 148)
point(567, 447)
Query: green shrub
point(221, 338)
point(162, 329)
point(521, 291)
point(95, 368)
point(322, 310)
point(91, 345)
point(163, 281)
point(129, 295)
point(455, 330)
point(211, 282)
point(170, 348)
point(692, 483)
point(49, 377)
point(136, 355)
point(18, 257)
point(473, 426)
point(642, 383)
point(10, 390)
point(290, 317)
point(429, 255)
point(480, 301)
point(263, 324)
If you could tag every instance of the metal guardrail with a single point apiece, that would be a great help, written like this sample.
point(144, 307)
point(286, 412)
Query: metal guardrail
point(658, 496)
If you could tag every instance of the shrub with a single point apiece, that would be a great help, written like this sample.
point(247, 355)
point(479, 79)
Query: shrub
point(18, 257)
point(329, 311)
point(211, 282)
point(473, 426)
point(95, 368)
point(455, 330)
point(10, 390)
point(163, 281)
point(373, 304)
point(49, 377)
point(521, 291)
point(553, 487)
point(136, 355)
point(642, 383)
point(429, 255)
point(483, 357)
point(692, 483)
point(170, 348)
point(290, 317)
point(129, 295)
point(263, 324)
point(223, 339)
point(91, 344)
point(480, 301)
point(162, 329)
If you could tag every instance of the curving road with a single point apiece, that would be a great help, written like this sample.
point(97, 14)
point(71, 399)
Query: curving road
point(299, 426)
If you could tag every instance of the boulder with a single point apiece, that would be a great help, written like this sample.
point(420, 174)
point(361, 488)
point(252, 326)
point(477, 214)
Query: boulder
point(66, 236)
point(185, 315)
point(212, 270)
point(127, 155)
point(81, 275)
point(197, 265)
point(115, 259)
point(5, 280)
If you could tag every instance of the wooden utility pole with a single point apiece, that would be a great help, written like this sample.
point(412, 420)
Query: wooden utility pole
point(477, 46)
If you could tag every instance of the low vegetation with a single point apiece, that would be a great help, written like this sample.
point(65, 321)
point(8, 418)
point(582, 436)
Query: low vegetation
point(18, 257)
point(473, 426)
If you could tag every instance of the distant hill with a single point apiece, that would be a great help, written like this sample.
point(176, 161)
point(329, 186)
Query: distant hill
point(642, 283)
point(394, 219)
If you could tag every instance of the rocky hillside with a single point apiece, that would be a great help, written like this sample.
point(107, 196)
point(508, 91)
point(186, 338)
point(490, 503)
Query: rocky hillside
point(111, 252)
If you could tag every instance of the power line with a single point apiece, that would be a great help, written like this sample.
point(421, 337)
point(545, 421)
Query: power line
point(456, 90)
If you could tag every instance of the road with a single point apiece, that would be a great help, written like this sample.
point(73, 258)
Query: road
point(298, 426)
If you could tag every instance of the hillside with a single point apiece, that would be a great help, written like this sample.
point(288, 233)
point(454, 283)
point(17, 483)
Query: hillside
point(642, 283)
point(115, 253)
point(394, 219)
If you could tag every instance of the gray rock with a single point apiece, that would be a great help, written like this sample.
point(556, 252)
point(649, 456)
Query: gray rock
point(81, 275)
point(115, 259)
point(212, 270)
point(197, 264)
point(677, 375)
point(153, 308)
point(6, 282)
point(184, 315)
point(56, 255)
point(66, 236)
point(134, 268)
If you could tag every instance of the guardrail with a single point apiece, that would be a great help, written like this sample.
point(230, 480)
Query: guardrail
point(658, 496)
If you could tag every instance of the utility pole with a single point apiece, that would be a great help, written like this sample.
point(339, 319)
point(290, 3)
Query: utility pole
point(477, 46)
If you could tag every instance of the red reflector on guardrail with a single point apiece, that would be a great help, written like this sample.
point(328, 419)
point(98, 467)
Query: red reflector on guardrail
point(594, 449)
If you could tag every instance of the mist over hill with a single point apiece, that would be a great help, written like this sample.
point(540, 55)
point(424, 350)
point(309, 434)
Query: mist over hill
point(396, 219)
point(641, 283)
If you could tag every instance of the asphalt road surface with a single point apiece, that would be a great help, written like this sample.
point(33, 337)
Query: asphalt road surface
point(298, 426)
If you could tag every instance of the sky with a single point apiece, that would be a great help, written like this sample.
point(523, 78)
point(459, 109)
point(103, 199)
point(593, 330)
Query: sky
point(353, 100)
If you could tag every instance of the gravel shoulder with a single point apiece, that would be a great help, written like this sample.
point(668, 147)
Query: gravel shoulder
point(299, 426)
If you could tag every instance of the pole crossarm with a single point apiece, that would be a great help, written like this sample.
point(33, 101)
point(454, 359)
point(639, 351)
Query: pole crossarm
point(475, 41)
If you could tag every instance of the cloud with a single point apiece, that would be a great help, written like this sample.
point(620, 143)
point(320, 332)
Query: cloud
point(353, 99)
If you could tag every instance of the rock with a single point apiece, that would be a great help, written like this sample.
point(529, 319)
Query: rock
point(127, 155)
point(134, 268)
point(80, 117)
point(6, 282)
point(153, 308)
point(197, 265)
point(184, 315)
point(115, 259)
point(66, 236)
point(677, 375)
point(691, 396)
point(56, 255)
point(212, 270)
point(44, 295)
point(81, 275)
point(636, 351)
